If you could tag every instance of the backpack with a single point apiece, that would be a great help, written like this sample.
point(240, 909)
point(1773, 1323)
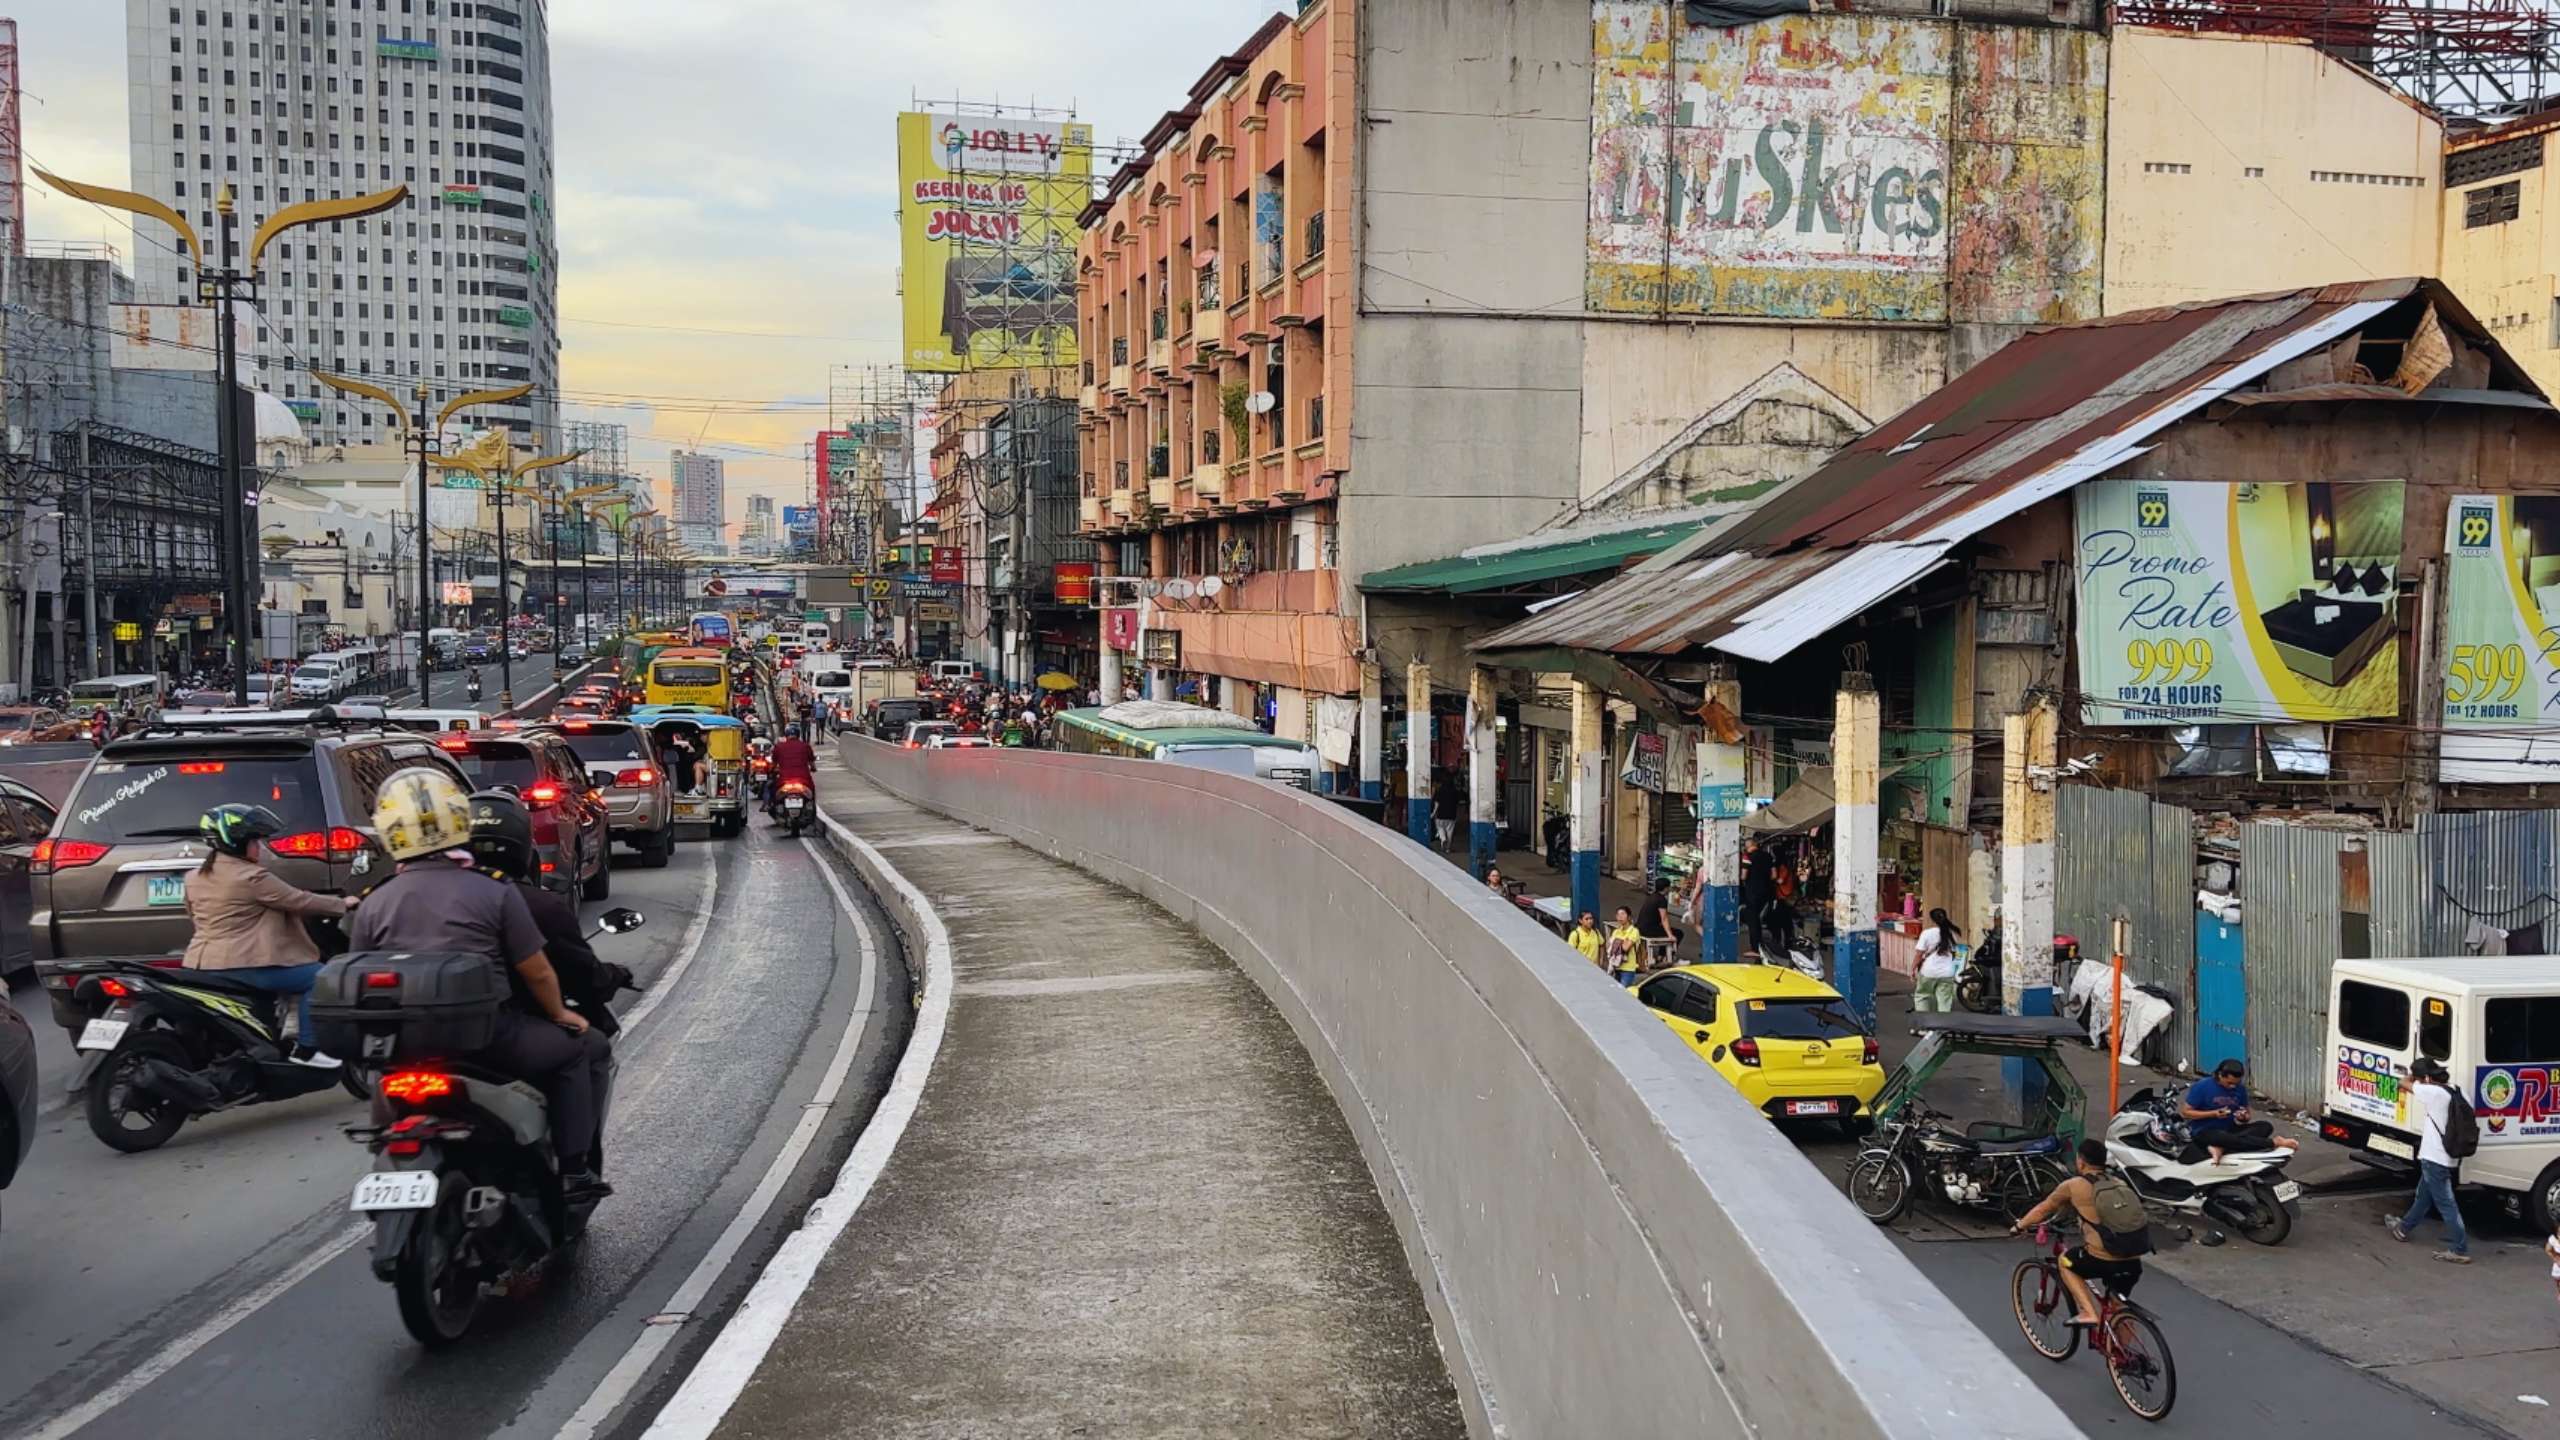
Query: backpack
point(2461, 1126)
point(2124, 1227)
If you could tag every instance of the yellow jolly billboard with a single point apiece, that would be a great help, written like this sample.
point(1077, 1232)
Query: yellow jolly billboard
point(987, 242)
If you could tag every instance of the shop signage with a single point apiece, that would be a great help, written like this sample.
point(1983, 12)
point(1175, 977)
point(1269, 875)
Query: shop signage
point(1721, 783)
point(128, 630)
point(163, 628)
point(467, 196)
point(1644, 761)
point(1120, 628)
point(2501, 667)
point(516, 315)
point(456, 592)
point(304, 409)
point(391, 49)
point(2263, 603)
point(934, 610)
point(949, 564)
point(1074, 582)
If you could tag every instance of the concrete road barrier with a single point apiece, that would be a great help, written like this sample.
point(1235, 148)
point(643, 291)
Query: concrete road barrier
point(1611, 1240)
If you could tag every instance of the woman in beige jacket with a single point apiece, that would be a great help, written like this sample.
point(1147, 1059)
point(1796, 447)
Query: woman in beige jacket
point(248, 923)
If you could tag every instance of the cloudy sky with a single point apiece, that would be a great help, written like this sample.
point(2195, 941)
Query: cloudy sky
point(727, 179)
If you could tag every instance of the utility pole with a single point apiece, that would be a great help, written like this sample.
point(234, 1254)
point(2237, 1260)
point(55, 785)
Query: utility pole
point(89, 562)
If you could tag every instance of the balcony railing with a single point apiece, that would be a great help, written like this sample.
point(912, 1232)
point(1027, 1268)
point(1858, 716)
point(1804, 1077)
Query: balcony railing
point(1156, 324)
point(1315, 235)
point(1120, 350)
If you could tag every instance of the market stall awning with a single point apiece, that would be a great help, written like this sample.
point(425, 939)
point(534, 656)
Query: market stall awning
point(1807, 803)
point(1511, 564)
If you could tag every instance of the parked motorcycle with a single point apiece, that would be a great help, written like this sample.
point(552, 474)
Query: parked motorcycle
point(1920, 1150)
point(2148, 1143)
point(1978, 985)
point(466, 1194)
point(163, 1046)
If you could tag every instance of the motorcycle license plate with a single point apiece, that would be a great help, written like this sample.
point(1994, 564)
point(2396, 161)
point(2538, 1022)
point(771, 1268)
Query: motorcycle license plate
point(166, 890)
point(2288, 1191)
point(102, 1034)
point(395, 1190)
point(795, 803)
point(1813, 1107)
point(2385, 1145)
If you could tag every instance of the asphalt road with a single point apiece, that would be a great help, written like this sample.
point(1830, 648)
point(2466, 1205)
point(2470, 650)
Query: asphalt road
point(449, 690)
point(184, 1291)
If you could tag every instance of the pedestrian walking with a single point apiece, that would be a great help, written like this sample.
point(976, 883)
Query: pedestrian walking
point(1587, 941)
point(1448, 802)
point(2433, 1102)
point(2550, 1242)
point(1626, 949)
point(1934, 990)
point(1758, 886)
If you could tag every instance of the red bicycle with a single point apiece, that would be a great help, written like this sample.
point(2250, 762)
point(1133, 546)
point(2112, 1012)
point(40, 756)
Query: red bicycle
point(2126, 1336)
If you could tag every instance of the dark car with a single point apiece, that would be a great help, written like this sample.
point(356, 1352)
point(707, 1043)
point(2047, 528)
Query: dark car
point(111, 877)
point(478, 652)
point(572, 832)
point(17, 1091)
point(890, 718)
point(25, 819)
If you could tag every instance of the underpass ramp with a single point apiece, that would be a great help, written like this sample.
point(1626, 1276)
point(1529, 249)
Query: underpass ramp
point(1127, 1205)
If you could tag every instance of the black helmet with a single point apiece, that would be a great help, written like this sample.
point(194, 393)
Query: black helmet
point(501, 834)
point(232, 829)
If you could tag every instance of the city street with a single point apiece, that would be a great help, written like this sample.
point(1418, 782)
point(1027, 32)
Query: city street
point(148, 1295)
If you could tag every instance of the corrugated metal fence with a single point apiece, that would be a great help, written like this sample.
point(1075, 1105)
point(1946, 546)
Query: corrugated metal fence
point(2288, 936)
point(2117, 850)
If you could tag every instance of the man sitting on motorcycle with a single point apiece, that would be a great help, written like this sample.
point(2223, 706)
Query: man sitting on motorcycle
point(248, 923)
point(793, 759)
point(472, 685)
point(502, 847)
point(435, 902)
point(2114, 1231)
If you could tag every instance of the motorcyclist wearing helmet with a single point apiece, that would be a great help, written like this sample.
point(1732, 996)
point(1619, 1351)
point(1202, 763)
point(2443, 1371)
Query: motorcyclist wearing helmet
point(502, 846)
point(248, 923)
point(793, 759)
point(436, 902)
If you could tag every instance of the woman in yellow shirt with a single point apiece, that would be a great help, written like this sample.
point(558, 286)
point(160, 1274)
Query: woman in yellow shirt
point(1626, 949)
point(1587, 938)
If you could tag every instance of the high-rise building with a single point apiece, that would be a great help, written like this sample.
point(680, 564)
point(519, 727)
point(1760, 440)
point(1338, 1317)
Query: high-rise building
point(458, 287)
point(762, 532)
point(701, 500)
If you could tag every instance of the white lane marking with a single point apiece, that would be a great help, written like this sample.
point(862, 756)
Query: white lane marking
point(178, 1353)
point(635, 1364)
point(731, 1360)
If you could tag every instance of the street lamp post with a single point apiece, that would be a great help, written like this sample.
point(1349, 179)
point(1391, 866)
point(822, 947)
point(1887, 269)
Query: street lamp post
point(496, 473)
point(223, 285)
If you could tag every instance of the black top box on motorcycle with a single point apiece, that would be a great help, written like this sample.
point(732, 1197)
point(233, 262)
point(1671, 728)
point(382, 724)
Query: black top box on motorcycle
point(381, 1006)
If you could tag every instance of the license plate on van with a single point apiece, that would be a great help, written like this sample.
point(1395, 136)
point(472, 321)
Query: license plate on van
point(166, 890)
point(2386, 1145)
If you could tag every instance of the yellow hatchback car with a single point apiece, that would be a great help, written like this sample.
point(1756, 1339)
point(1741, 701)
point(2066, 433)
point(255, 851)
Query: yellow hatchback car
point(1784, 1039)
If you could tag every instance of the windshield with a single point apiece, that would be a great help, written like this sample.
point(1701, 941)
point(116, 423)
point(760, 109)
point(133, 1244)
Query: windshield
point(595, 748)
point(1799, 1020)
point(315, 672)
point(162, 799)
point(703, 674)
point(95, 690)
point(489, 765)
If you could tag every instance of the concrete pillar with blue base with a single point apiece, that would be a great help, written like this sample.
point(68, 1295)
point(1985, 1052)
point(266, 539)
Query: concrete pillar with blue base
point(1855, 736)
point(1590, 792)
point(1483, 775)
point(1417, 752)
point(1373, 734)
point(1721, 782)
point(2029, 742)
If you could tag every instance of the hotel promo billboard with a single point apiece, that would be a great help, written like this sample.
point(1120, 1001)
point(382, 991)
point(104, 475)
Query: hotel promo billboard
point(987, 239)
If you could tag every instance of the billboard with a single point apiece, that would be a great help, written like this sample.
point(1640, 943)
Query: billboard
point(1843, 167)
point(2502, 639)
point(987, 242)
point(800, 519)
point(2204, 602)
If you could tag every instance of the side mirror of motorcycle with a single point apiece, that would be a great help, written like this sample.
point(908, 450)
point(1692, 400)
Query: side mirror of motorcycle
point(622, 922)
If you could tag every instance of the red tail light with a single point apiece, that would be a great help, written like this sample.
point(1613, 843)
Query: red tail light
point(642, 776)
point(417, 1086)
point(382, 980)
point(335, 843)
point(795, 787)
point(113, 988)
point(202, 767)
point(1870, 1056)
point(1747, 1050)
point(544, 793)
point(548, 867)
point(458, 744)
point(581, 725)
point(52, 855)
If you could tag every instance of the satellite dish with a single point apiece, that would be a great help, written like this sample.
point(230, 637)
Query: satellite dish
point(1150, 588)
point(1210, 585)
point(1261, 402)
point(1177, 589)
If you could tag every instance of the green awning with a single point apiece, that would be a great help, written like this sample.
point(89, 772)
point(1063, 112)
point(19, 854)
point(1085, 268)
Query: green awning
point(1513, 565)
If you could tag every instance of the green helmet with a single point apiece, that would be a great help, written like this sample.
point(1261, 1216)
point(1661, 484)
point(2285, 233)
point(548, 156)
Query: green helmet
point(232, 829)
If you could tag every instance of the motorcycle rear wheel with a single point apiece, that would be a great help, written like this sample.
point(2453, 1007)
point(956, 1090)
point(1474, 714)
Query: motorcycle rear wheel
point(2040, 1176)
point(113, 1100)
point(2261, 1218)
point(1880, 1185)
point(438, 1294)
point(1975, 992)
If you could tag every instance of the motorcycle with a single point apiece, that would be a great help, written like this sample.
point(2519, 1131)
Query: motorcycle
point(793, 797)
point(163, 1046)
point(1920, 1149)
point(471, 688)
point(2148, 1143)
point(1978, 985)
point(466, 1196)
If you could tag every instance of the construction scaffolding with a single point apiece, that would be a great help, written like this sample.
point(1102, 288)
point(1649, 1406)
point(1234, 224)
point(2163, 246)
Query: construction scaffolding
point(864, 464)
point(2478, 60)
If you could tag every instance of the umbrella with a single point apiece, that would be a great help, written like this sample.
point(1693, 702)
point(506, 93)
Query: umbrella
point(1056, 680)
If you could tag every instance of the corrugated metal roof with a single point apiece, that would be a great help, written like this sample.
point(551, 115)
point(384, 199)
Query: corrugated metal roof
point(2055, 407)
point(1552, 555)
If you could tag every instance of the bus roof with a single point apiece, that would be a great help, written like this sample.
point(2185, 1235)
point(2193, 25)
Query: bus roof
point(1175, 735)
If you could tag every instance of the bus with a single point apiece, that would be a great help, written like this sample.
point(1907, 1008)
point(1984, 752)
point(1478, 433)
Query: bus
point(711, 628)
point(1187, 735)
point(688, 675)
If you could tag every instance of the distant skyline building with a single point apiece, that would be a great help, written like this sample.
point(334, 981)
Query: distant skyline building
point(700, 489)
point(761, 534)
point(457, 288)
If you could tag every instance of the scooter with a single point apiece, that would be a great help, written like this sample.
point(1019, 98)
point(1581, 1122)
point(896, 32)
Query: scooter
point(471, 688)
point(793, 797)
point(1978, 985)
point(466, 1197)
point(162, 1046)
point(2147, 1142)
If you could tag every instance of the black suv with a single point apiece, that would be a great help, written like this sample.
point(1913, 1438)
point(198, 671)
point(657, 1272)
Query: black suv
point(112, 877)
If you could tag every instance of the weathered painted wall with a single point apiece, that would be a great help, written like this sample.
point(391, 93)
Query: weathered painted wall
point(2508, 271)
point(2236, 165)
point(1843, 167)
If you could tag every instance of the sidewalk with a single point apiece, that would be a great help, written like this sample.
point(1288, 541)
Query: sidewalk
point(1127, 1206)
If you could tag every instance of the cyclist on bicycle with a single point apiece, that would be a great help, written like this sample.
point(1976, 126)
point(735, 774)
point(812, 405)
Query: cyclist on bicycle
point(2115, 1232)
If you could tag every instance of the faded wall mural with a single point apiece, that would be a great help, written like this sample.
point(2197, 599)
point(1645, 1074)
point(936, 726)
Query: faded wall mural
point(1844, 167)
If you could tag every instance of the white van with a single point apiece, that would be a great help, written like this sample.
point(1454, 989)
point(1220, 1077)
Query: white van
point(2493, 1021)
point(814, 634)
point(963, 671)
point(319, 678)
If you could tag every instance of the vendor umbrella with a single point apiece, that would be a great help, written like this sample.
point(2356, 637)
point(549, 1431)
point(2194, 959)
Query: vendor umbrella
point(1056, 680)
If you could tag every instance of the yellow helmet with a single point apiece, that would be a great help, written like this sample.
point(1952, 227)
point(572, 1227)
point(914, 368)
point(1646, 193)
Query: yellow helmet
point(421, 811)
